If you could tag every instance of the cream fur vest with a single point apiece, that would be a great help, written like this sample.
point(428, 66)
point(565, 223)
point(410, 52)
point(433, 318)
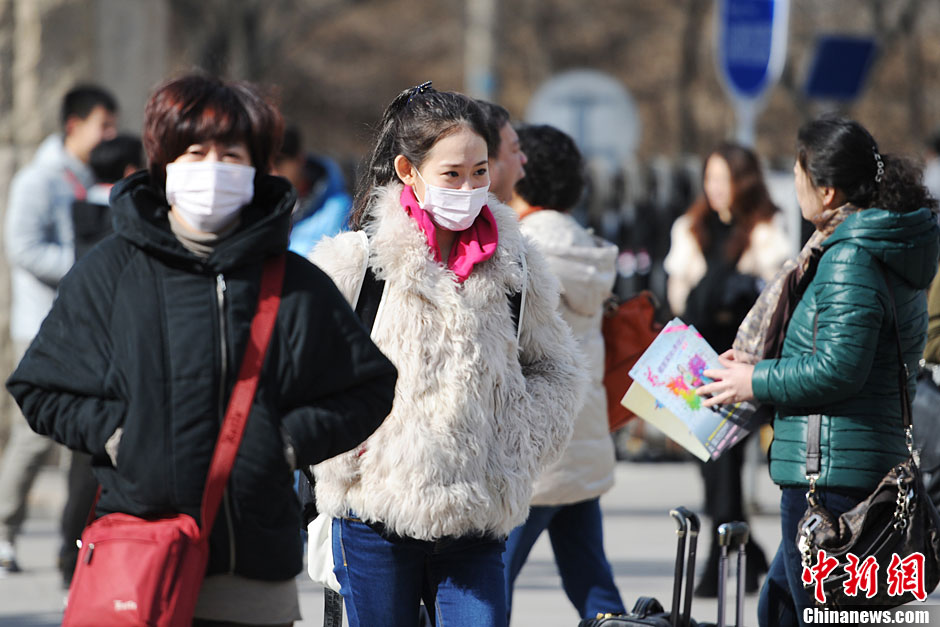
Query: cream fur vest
point(476, 416)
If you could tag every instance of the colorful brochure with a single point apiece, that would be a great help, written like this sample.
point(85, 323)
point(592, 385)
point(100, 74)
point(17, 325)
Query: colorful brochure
point(663, 394)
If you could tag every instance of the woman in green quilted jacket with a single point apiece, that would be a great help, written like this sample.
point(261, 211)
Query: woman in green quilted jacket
point(875, 231)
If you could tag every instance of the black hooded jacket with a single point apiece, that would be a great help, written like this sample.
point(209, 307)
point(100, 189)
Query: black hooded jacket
point(146, 336)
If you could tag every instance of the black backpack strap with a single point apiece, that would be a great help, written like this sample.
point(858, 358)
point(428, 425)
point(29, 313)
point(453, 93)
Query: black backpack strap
point(517, 299)
point(515, 308)
point(372, 287)
point(370, 295)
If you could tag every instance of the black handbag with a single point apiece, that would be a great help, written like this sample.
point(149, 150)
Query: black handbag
point(895, 530)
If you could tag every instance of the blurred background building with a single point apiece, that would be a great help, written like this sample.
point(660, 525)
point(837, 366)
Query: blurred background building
point(335, 64)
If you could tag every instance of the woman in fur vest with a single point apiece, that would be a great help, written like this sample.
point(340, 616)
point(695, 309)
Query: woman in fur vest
point(485, 393)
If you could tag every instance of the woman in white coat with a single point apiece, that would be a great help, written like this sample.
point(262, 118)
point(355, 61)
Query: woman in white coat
point(486, 392)
point(567, 496)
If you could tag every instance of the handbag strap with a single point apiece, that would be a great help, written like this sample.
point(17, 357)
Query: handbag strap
point(814, 421)
point(236, 414)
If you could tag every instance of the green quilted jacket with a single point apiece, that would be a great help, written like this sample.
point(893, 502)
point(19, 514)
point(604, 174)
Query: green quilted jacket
point(839, 358)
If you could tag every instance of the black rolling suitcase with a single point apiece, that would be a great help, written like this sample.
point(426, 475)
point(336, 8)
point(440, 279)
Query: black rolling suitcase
point(649, 612)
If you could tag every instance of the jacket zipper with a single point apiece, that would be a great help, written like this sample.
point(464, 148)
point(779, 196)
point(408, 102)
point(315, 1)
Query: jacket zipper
point(220, 298)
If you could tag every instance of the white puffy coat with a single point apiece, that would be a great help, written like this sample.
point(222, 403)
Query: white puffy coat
point(585, 265)
point(476, 416)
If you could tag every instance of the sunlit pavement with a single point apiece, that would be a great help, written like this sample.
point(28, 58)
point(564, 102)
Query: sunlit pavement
point(640, 538)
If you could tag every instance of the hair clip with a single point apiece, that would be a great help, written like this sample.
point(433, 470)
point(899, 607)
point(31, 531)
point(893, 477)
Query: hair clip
point(881, 166)
point(418, 89)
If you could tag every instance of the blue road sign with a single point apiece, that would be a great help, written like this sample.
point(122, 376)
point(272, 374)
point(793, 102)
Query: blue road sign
point(839, 67)
point(749, 46)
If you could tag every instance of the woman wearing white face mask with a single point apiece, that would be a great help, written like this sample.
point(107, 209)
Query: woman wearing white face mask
point(422, 509)
point(138, 357)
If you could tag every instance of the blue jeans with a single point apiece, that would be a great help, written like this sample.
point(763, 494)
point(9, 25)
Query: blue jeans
point(383, 578)
point(578, 543)
point(783, 597)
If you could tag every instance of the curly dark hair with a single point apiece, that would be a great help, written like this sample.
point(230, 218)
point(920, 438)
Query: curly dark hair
point(839, 152)
point(554, 172)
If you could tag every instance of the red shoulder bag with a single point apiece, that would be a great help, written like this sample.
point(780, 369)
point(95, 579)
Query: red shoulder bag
point(137, 571)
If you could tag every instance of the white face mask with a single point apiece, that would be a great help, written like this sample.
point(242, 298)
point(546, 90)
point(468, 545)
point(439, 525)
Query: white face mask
point(209, 194)
point(452, 209)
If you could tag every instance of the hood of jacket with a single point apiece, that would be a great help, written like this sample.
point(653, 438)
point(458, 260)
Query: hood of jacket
point(584, 263)
point(140, 216)
point(905, 242)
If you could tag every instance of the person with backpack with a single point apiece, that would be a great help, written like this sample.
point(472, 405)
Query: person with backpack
point(486, 390)
point(39, 242)
point(722, 250)
point(137, 360)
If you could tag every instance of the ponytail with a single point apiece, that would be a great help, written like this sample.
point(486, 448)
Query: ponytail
point(901, 187)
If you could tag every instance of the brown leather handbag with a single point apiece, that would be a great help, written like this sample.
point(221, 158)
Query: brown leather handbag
point(894, 525)
point(629, 328)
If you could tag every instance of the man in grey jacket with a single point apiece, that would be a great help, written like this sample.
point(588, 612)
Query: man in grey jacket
point(39, 243)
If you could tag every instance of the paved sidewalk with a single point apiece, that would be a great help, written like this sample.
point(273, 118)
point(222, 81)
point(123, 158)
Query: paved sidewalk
point(640, 539)
point(640, 542)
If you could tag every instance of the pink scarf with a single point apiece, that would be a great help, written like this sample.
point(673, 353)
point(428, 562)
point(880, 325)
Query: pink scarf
point(474, 245)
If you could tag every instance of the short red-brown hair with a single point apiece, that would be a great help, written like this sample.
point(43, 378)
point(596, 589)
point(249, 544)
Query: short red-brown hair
point(197, 108)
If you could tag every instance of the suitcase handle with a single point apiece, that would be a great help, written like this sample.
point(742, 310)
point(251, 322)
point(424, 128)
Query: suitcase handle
point(734, 535)
point(690, 522)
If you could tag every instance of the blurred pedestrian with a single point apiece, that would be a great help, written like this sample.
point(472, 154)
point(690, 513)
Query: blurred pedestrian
point(876, 240)
point(566, 500)
point(323, 205)
point(723, 248)
point(40, 245)
point(486, 391)
point(932, 166)
point(135, 362)
point(932, 349)
point(110, 161)
point(506, 157)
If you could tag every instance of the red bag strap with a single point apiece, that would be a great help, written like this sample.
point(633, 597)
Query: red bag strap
point(77, 188)
point(236, 415)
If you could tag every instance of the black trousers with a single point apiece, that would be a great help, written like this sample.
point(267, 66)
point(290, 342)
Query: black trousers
point(724, 500)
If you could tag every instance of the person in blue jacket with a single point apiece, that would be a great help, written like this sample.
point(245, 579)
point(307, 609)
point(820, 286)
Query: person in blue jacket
point(323, 204)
